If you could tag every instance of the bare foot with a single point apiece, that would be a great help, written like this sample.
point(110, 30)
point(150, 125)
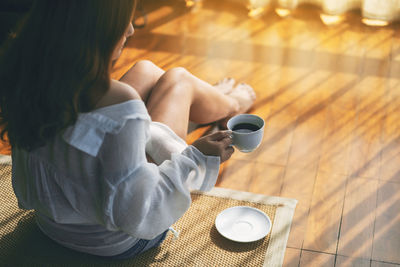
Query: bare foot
point(225, 85)
point(244, 95)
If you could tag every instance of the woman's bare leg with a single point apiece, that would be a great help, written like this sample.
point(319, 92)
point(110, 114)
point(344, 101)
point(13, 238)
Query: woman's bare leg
point(179, 97)
point(176, 96)
point(143, 76)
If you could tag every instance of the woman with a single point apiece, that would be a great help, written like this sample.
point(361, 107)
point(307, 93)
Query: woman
point(102, 162)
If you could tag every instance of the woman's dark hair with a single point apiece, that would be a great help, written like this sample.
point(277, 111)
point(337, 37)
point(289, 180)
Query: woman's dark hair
point(56, 66)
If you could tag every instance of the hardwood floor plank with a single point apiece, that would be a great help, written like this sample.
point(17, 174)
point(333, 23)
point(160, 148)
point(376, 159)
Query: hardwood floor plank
point(316, 259)
point(292, 32)
point(383, 264)
point(275, 146)
point(357, 228)
point(390, 162)
point(341, 115)
point(307, 138)
point(386, 240)
point(365, 155)
point(292, 257)
point(342, 261)
point(352, 39)
point(280, 95)
point(267, 179)
point(237, 175)
point(325, 213)
point(299, 184)
point(378, 47)
point(394, 71)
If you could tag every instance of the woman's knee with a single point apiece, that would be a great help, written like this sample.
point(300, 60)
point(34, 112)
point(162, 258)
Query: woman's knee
point(176, 77)
point(145, 66)
point(141, 68)
point(174, 82)
point(177, 73)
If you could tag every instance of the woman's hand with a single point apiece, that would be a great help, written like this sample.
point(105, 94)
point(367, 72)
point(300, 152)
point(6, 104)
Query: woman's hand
point(216, 144)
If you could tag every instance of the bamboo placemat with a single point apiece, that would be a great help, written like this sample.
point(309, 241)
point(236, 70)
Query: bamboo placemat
point(199, 243)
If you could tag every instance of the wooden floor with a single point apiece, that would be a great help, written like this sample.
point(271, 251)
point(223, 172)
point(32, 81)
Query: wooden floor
point(330, 96)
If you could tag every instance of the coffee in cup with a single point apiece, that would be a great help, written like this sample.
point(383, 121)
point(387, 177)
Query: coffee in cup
point(247, 131)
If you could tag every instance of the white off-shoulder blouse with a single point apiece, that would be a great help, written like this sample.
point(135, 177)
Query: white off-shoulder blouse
point(93, 189)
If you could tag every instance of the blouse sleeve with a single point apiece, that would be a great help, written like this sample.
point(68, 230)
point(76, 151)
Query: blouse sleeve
point(144, 199)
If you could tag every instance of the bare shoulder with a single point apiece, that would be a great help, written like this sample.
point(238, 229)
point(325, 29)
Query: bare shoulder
point(119, 92)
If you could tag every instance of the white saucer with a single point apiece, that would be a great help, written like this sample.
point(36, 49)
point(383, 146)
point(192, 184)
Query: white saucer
point(243, 224)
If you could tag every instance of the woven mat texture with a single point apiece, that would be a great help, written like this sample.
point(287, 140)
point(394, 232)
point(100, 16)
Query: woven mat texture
point(199, 243)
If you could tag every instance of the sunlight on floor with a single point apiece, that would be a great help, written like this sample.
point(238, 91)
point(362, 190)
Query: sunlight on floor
point(375, 22)
point(283, 12)
point(331, 19)
point(255, 12)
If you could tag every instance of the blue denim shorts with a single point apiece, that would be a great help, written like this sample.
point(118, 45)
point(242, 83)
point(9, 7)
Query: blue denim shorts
point(141, 246)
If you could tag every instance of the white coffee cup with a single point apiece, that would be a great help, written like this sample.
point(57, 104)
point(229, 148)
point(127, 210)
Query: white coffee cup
point(247, 131)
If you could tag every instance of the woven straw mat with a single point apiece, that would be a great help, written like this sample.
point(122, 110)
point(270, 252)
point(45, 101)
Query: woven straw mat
point(199, 243)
